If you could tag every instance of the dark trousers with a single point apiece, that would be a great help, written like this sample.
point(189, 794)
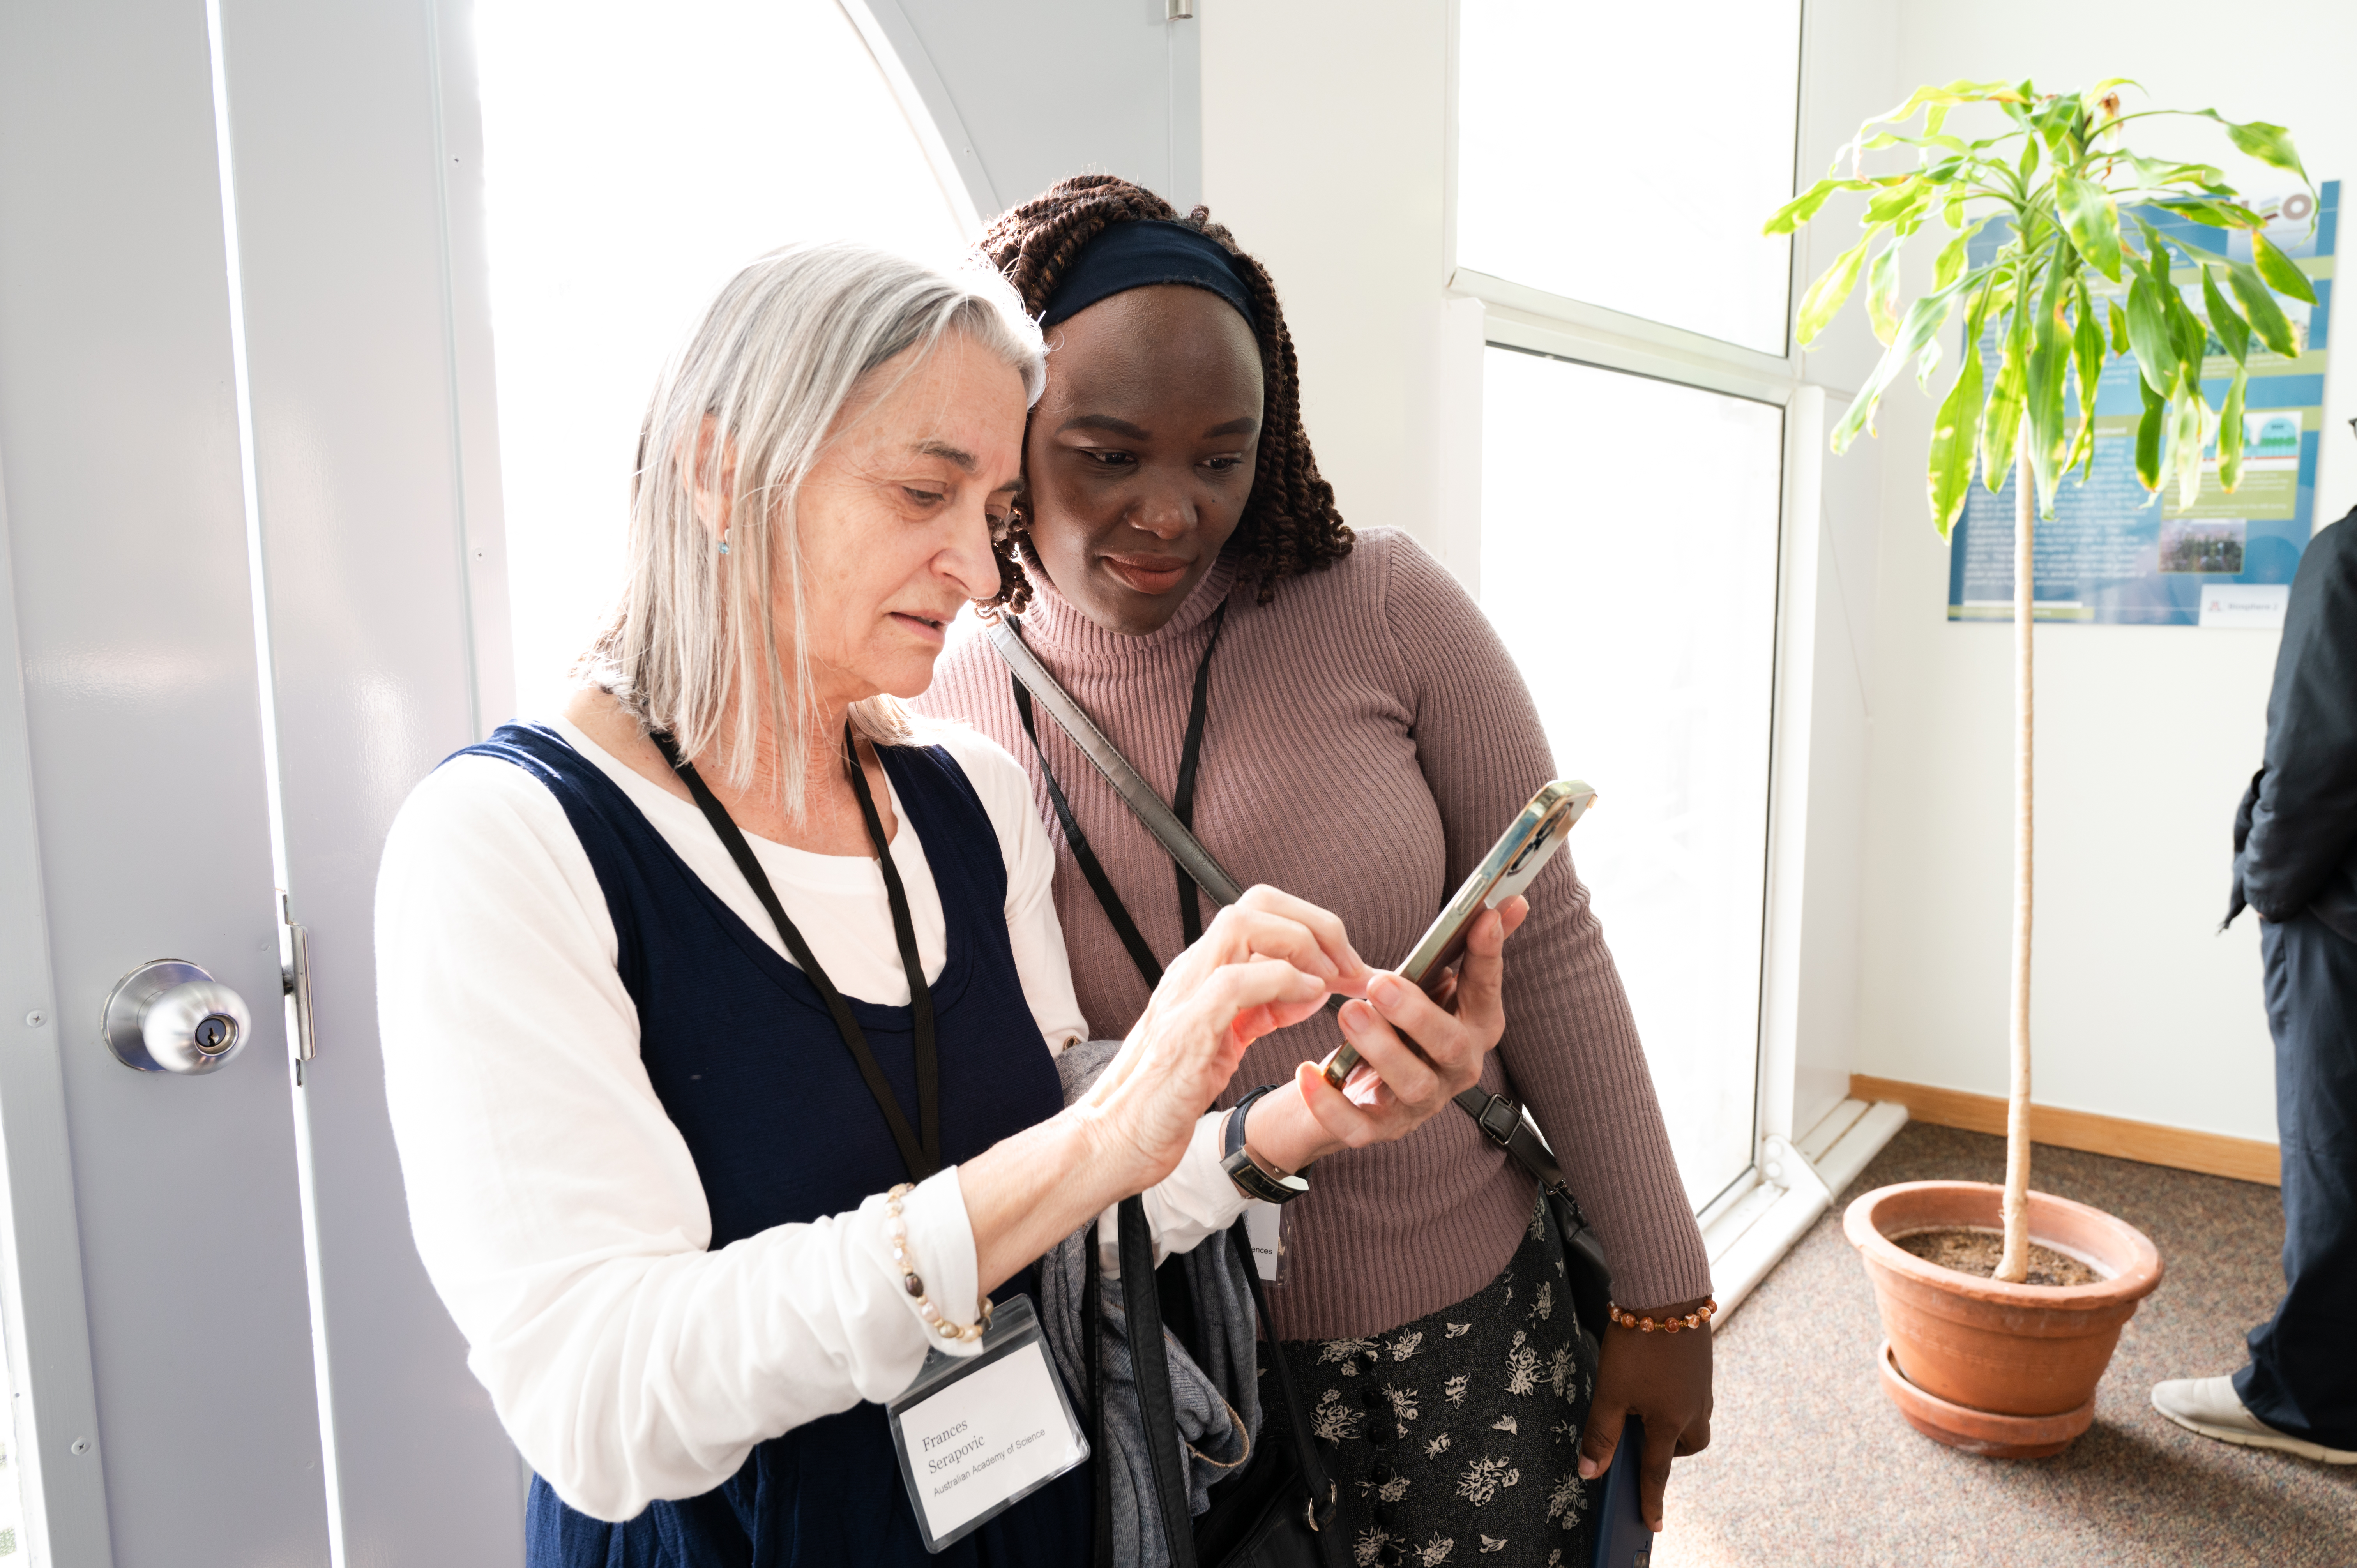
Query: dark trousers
point(2303, 1373)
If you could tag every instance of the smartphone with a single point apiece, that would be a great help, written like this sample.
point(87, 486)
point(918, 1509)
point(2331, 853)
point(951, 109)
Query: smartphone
point(1621, 1539)
point(1511, 864)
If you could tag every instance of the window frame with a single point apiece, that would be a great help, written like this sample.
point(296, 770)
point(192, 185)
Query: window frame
point(1748, 1224)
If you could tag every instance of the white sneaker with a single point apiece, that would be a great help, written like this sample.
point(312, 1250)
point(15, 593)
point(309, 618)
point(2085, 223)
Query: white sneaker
point(2211, 1407)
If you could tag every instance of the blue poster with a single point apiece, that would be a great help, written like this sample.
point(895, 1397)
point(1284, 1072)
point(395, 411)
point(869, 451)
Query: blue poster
point(2115, 554)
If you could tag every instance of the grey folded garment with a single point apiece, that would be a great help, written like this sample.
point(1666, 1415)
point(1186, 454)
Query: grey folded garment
point(1217, 1401)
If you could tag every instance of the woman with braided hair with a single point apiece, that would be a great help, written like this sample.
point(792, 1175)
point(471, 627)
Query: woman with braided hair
point(1331, 715)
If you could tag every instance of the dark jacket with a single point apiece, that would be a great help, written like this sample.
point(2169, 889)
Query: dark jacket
point(2296, 835)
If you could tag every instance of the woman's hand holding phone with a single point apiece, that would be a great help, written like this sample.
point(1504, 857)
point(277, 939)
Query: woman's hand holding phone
point(1424, 1052)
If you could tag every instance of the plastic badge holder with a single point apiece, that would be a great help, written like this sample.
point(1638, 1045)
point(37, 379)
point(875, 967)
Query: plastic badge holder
point(1264, 1231)
point(987, 1431)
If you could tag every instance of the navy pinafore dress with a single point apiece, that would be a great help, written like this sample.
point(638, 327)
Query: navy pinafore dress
point(747, 1061)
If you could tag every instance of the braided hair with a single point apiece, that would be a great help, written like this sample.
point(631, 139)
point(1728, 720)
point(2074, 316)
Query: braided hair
point(1290, 525)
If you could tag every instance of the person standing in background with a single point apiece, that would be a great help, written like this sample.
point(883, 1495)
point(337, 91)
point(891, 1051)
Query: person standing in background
point(2295, 864)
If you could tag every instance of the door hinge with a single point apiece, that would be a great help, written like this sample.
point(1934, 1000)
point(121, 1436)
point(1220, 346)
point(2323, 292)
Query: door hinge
point(296, 979)
point(1180, 11)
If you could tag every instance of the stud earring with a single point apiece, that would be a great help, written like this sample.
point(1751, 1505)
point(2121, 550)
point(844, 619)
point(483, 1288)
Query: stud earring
point(723, 547)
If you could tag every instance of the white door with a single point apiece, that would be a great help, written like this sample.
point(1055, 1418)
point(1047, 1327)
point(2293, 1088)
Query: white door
point(158, 1325)
point(253, 584)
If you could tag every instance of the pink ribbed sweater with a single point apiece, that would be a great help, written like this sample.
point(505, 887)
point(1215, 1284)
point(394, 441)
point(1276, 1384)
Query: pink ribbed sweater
point(1367, 739)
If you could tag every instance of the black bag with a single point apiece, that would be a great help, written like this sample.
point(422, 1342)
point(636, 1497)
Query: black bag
point(1274, 1514)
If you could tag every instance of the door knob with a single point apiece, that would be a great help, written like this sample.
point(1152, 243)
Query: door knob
point(170, 1017)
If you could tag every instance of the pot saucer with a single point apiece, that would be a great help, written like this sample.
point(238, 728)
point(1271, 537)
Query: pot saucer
point(1981, 1431)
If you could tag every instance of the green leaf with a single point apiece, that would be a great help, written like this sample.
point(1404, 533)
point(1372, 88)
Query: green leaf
point(2153, 174)
point(2266, 317)
point(1942, 98)
point(2050, 362)
point(2058, 125)
point(2029, 164)
point(1804, 207)
point(2276, 268)
point(1924, 320)
point(1898, 202)
point(2119, 321)
point(2229, 434)
point(1951, 265)
point(2233, 331)
point(1932, 138)
point(2214, 213)
point(1832, 287)
point(2092, 222)
point(2269, 143)
point(2150, 337)
point(1882, 292)
point(2087, 352)
point(2147, 440)
point(2003, 420)
point(1954, 432)
point(1927, 362)
point(2191, 337)
point(2185, 441)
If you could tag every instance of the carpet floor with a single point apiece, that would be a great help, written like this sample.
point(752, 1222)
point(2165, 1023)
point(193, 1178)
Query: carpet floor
point(1810, 1464)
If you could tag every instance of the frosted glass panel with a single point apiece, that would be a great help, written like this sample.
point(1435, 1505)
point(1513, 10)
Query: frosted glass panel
point(635, 156)
point(1628, 534)
point(1626, 156)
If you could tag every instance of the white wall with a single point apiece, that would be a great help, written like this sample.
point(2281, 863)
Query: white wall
point(1848, 72)
point(2146, 736)
point(1323, 130)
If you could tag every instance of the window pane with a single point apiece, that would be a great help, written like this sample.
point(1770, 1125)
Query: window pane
point(1626, 156)
point(1629, 547)
point(635, 156)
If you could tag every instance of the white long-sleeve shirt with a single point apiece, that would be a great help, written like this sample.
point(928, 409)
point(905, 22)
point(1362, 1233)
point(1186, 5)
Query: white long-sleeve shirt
point(557, 1208)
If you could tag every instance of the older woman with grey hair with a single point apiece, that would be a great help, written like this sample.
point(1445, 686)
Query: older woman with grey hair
point(721, 1013)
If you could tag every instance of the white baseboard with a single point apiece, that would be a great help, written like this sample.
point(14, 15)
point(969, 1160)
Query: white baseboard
point(1795, 1184)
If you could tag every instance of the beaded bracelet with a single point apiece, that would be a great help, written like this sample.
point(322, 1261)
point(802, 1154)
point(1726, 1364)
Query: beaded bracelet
point(896, 1229)
point(1693, 1319)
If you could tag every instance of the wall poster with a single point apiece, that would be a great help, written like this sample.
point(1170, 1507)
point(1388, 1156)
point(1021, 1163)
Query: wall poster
point(2112, 554)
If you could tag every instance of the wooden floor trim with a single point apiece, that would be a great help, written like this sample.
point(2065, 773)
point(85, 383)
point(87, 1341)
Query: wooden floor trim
point(2212, 1154)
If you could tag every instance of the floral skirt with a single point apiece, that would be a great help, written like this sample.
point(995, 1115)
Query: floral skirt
point(1457, 1435)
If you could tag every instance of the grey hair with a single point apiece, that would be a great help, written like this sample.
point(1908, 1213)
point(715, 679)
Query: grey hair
point(692, 645)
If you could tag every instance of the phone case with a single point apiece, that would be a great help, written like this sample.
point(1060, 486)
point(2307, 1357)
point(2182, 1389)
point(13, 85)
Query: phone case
point(1512, 863)
point(1621, 1539)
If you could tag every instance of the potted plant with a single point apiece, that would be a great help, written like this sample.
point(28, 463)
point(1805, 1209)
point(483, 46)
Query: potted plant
point(2004, 1360)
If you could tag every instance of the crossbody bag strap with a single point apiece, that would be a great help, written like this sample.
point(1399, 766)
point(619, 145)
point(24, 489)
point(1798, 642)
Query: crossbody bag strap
point(1107, 759)
point(1150, 1361)
point(1093, 1344)
point(1319, 1503)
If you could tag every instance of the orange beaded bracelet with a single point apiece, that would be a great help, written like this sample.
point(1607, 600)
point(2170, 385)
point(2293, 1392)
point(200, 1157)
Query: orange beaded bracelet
point(1693, 1319)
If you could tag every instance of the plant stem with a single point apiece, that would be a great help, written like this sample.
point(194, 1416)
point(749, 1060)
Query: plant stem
point(2014, 1264)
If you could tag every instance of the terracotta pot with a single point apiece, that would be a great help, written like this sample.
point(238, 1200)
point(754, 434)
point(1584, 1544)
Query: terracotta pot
point(2009, 1371)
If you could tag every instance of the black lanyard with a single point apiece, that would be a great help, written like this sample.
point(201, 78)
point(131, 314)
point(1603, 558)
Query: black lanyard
point(1182, 806)
point(923, 1155)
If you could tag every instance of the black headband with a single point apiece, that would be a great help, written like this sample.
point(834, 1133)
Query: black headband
point(1140, 252)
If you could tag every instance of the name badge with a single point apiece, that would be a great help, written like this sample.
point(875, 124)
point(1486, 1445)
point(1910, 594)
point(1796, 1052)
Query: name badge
point(977, 1434)
point(1264, 1229)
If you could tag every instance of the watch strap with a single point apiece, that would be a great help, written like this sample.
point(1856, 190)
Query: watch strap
point(1244, 1170)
